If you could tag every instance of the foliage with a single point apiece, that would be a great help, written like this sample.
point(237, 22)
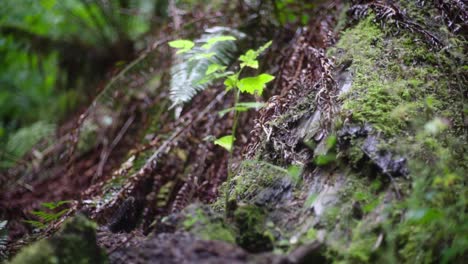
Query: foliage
point(49, 215)
point(225, 142)
point(291, 11)
point(23, 140)
point(393, 77)
point(74, 243)
point(206, 64)
point(195, 60)
point(3, 239)
point(88, 21)
point(207, 226)
point(27, 92)
point(242, 107)
point(39, 38)
point(404, 90)
point(434, 215)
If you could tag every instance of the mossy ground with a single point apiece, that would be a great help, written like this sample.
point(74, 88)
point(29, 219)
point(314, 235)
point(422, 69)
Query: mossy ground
point(76, 243)
point(409, 93)
point(207, 225)
point(251, 178)
point(394, 78)
point(404, 89)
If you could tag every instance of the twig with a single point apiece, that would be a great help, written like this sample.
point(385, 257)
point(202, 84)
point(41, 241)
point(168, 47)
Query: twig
point(106, 153)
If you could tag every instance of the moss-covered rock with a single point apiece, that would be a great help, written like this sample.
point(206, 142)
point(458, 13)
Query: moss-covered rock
point(75, 243)
point(251, 223)
point(206, 224)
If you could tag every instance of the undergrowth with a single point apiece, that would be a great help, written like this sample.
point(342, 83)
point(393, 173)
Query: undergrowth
point(50, 213)
point(404, 89)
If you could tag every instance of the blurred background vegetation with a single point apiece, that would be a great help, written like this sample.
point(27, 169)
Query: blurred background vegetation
point(52, 55)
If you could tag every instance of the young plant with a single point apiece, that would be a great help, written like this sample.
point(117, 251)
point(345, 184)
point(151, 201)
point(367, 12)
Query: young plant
point(49, 214)
point(232, 82)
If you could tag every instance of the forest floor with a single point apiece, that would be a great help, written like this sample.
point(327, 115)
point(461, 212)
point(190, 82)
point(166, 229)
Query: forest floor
point(368, 103)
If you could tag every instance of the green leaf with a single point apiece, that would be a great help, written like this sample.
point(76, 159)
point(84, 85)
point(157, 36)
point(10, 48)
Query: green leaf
point(188, 71)
point(371, 206)
point(323, 160)
point(225, 142)
point(36, 224)
point(310, 200)
point(182, 44)
point(201, 56)
point(231, 81)
point(215, 68)
point(255, 84)
point(263, 48)
point(53, 205)
point(294, 172)
point(48, 4)
point(212, 77)
point(249, 59)
point(241, 107)
point(331, 142)
point(424, 215)
point(210, 42)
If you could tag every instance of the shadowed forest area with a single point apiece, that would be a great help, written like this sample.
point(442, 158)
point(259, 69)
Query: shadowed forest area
point(247, 131)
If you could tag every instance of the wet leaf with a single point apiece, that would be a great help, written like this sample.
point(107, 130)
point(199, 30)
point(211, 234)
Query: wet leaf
point(215, 68)
point(249, 59)
point(255, 84)
point(215, 40)
point(231, 82)
point(225, 142)
point(242, 107)
point(182, 45)
point(201, 56)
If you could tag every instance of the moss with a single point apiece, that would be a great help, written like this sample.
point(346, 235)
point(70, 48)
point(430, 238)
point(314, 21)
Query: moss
point(253, 233)
point(38, 253)
point(75, 243)
point(206, 225)
point(78, 233)
point(434, 214)
point(392, 77)
point(251, 178)
point(361, 247)
point(353, 153)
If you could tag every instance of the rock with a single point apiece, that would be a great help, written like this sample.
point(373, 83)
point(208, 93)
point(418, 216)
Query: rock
point(126, 217)
point(387, 162)
point(310, 253)
point(75, 243)
point(178, 248)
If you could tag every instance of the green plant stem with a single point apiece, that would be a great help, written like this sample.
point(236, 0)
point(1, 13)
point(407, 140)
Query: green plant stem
point(231, 152)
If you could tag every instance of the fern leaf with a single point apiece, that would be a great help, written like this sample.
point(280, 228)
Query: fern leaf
point(3, 240)
point(215, 46)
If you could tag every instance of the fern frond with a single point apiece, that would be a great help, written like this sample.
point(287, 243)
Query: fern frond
point(3, 240)
point(24, 139)
point(188, 73)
